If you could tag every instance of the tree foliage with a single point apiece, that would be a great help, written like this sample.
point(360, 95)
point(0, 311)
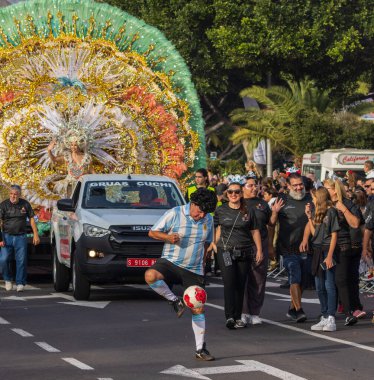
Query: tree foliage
point(300, 118)
point(330, 41)
point(230, 45)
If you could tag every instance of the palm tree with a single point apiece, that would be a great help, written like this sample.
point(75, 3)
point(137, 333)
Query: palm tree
point(278, 112)
point(278, 109)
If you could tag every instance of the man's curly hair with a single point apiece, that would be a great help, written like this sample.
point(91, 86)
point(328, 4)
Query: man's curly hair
point(205, 199)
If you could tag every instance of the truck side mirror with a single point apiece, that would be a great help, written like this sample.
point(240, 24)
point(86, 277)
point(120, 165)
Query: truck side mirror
point(66, 205)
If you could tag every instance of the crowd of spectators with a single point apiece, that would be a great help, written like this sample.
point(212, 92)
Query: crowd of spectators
point(321, 232)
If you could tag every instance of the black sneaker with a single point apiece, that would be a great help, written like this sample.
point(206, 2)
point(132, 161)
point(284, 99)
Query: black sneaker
point(203, 354)
point(300, 316)
point(291, 313)
point(230, 323)
point(350, 320)
point(239, 324)
point(178, 307)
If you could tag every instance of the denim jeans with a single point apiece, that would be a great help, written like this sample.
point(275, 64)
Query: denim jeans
point(17, 245)
point(297, 266)
point(326, 290)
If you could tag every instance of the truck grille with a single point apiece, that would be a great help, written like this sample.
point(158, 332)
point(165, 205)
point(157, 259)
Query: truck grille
point(141, 250)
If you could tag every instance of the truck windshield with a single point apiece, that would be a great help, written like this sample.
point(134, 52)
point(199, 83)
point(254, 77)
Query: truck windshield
point(131, 194)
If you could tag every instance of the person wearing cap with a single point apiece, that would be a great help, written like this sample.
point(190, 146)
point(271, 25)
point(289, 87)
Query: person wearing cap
point(14, 213)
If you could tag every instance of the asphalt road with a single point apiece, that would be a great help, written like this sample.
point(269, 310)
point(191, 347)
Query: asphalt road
point(127, 332)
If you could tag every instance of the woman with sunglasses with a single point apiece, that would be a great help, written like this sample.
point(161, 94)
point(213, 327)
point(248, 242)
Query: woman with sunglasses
point(236, 234)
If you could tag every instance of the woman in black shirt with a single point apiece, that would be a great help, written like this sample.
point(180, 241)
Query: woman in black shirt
point(236, 233)
point(324, 226)
point(350, 219)
point(254, 293)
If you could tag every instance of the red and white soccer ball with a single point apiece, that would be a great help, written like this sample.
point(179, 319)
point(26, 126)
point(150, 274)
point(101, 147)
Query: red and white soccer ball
point(194, 297)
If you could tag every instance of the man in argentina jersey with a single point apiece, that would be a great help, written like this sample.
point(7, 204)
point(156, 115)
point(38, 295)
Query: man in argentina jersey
point(187, 232)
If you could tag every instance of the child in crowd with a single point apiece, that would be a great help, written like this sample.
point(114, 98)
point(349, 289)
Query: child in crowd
point(324, 226)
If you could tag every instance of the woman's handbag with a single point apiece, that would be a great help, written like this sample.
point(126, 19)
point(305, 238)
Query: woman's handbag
point(226, 254)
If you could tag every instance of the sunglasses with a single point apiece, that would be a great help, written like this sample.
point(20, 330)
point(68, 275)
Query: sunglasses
point(234, 191)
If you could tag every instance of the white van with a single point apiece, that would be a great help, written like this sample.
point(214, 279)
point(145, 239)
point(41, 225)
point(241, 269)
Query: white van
point(337, 161)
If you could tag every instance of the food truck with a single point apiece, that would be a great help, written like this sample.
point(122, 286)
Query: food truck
point(337, 161)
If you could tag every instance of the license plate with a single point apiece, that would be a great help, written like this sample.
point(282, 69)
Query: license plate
point(140, 262)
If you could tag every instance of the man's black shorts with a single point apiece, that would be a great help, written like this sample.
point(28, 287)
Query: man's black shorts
point(175, 275)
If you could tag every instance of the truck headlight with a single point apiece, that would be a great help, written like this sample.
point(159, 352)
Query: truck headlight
point(94, 231)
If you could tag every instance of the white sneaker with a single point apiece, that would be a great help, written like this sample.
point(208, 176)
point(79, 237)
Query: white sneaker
point(255, 320)
point(20, 288)
point(245, 318)
point(330, 324)
point(8, 285)
point(320, 325)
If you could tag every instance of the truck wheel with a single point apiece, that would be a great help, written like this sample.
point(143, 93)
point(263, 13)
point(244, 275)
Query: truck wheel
point(61, 273)
point(81, 286)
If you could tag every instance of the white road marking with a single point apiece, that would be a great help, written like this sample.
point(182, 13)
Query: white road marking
point(65, 296)
point(45, 346)
point(104, 378)
point(303, 300)
point(96, 305)
point(17, 298)
point(270, 284)
point(4, 321)
point(213, 285)
point(27, 287)
point(288, 298)
point(77, 364)
point(245, 366)
point(23, 333)
point(316, 335)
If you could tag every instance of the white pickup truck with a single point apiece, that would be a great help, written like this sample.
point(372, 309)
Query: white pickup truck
point(100, 235)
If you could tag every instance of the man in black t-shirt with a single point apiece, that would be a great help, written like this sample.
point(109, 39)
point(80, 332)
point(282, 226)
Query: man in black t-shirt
point(14, 213)
point(289, 210)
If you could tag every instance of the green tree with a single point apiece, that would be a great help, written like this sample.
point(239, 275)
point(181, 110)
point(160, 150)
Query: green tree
point(230, 45)
point(331, 41)
point(300, 119)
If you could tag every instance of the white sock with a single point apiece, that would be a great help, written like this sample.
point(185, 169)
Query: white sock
point(198, 327)
point(163, 290)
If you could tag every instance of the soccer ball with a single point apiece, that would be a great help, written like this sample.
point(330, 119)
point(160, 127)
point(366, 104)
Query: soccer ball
point(194, 297)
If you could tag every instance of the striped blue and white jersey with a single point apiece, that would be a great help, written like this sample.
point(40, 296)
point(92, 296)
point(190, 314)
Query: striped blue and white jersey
point(188, 253)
